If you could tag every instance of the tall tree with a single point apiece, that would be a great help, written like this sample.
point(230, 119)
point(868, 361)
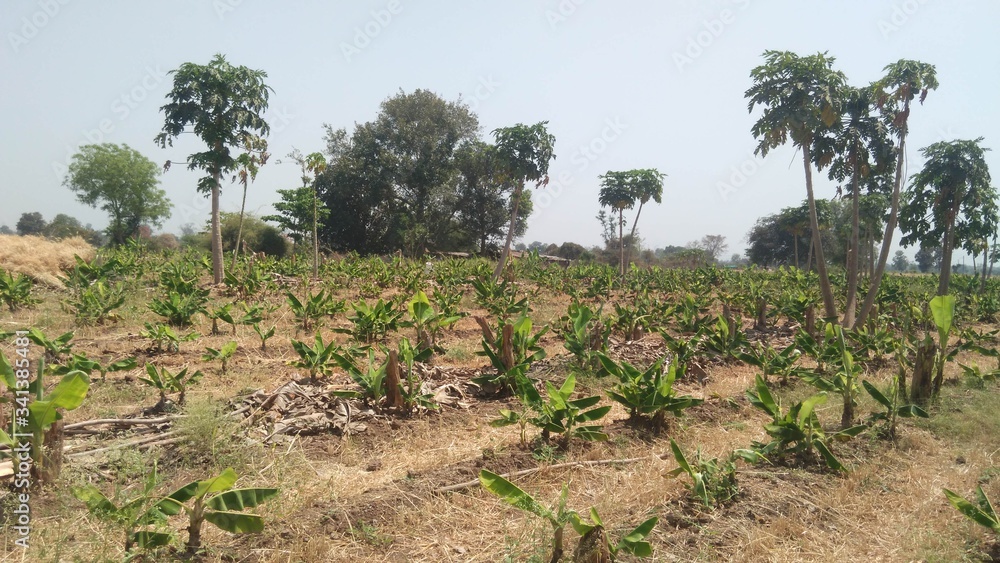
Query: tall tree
point(800, 100)
point(312, 166)
point(618, 194)
point(903, 82)
point(247, 166)
point(295, 213)
point(951, 194)
point(225, 105)
point(484, 204)
point(31, 224)
point(121, 181)
point(525, 152)
point(864, 154)
point(405, 160)
point(647, 184)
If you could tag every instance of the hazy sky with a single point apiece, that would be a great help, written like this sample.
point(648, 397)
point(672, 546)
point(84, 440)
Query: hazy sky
point(629, 84)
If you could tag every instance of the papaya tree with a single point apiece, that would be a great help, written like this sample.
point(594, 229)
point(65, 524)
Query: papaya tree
point(903, 82)
point(951, 194)
point(525, 152)
point(224, 106)
point(621, 190)
point(800, 98)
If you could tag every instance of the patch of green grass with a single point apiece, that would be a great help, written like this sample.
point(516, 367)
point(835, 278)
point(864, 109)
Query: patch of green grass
point(965, 415)
point(213, 441)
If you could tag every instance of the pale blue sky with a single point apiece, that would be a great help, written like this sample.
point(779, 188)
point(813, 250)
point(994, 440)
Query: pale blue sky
point(630, 84)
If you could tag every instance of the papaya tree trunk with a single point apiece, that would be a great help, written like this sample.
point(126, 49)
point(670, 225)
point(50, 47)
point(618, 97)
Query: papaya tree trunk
point(239, 232)
point(854, 249)
point(510, 232)
point(824, 281)
point(621, 242)
point(218, 271)
point(890, 224)
point(946, 252)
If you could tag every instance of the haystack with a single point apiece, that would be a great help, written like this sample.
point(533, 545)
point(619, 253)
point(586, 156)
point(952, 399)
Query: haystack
point(41, 258)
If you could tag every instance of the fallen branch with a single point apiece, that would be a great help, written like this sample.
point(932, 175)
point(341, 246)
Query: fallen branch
point(570, 464)
point(120, 422)
point(142, 442)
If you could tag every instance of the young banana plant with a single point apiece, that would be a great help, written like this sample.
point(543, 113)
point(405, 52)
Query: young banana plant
point(216, 501)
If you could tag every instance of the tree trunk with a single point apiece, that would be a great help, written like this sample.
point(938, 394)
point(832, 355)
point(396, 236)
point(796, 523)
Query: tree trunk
point(855, 248)
point(510, 233)
point(239, 232)
point(315, 233)
point(949, 244)
point(986, 258)
point(890, 225)
point(923, 368)
point(393, 399)
point(621, 242)
point(809, 254)
point(847, 418)
point(631, 236)
point(824, 281)
point(218, 271)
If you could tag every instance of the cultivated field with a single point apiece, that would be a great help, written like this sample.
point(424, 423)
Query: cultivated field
point(373, 471)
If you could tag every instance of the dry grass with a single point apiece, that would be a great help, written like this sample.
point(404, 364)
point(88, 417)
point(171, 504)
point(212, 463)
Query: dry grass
point(40, 258)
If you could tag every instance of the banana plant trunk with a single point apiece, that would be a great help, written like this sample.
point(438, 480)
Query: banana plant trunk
point(824, 281)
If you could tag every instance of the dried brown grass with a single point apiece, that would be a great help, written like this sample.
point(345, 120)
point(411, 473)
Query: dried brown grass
point(40, 258)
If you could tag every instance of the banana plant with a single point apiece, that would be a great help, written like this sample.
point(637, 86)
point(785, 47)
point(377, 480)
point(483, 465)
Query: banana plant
point(556, 414)
point(585, 334)
point(524, 350)
point(55, 348)
point(894, 410)
point(222, 354)
point(94, 304)
point(596, 546)
point(410, 385)
point(143, 525)
point(372, 322)
point(797, 431)
point(427, 322)
point(263, 334)
point(371, 377)
point(712, 482)
point(943, 311)
point(166, 382)
point(217, 502)
point(164, 337)
point(981, 513)
point(312, 308)
point(15, 292)
point(557, 516)
point(79, 362)
point(648, 394)
point(318, 358)
point(771, 361)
